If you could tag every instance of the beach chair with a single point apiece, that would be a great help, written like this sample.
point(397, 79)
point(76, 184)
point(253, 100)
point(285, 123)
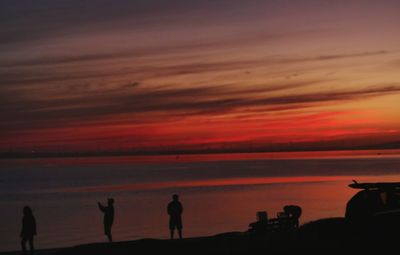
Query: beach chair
point(261, 225)
point(262, 216)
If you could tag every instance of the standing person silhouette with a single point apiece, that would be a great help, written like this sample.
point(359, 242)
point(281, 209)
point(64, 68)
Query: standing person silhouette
point(175, 210)
point(108, 217)
point(28, 229)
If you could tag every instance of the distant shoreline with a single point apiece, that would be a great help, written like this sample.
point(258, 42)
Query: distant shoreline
point(178, 153)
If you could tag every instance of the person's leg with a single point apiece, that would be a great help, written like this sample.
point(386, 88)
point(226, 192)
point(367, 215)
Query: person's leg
point(179, 227)
point(107, 231)
point(109, 236)
point(171, 228)
point(31, 245)
point(23, 245)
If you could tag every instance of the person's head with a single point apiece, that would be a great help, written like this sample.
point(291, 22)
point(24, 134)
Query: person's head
point(110, 201)
point(292, 210)
point(27, 211)
point(175, 197)
point(286, 209)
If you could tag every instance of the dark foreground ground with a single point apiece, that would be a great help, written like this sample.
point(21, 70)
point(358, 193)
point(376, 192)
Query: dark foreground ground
point(326, 236)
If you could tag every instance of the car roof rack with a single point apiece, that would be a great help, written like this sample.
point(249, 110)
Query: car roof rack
point(375, 185)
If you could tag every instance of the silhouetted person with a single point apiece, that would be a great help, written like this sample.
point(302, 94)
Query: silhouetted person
point(175, 210)
point(294, 213)
point(108, 217)
point(28, 229)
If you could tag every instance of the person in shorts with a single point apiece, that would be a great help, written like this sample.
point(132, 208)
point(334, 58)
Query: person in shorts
point(175, 210)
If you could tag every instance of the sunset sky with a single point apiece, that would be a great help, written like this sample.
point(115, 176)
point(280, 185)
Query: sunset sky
point(87, 75)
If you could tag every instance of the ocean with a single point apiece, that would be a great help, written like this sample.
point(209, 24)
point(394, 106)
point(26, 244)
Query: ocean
point(219, 192)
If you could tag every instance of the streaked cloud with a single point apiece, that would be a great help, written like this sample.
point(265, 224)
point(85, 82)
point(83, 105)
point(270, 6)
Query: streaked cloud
point(182, 72)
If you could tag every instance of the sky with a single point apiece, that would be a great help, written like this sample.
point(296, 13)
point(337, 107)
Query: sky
point(162, 75)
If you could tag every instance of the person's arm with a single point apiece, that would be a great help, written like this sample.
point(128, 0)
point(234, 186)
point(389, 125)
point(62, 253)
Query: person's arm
point(101, 207)
point(169, 209)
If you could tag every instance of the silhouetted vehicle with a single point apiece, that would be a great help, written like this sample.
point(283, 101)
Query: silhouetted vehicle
point(108, 217)
point(28, 229)
point(376, 206)
point(175, 210)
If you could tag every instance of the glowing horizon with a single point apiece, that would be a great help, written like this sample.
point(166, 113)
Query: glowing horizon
point(191, 74)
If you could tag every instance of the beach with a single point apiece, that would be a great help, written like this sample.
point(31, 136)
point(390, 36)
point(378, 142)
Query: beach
point(63, 193)
point(325, 236)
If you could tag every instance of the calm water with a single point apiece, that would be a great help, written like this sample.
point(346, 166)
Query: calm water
point(220, 193)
